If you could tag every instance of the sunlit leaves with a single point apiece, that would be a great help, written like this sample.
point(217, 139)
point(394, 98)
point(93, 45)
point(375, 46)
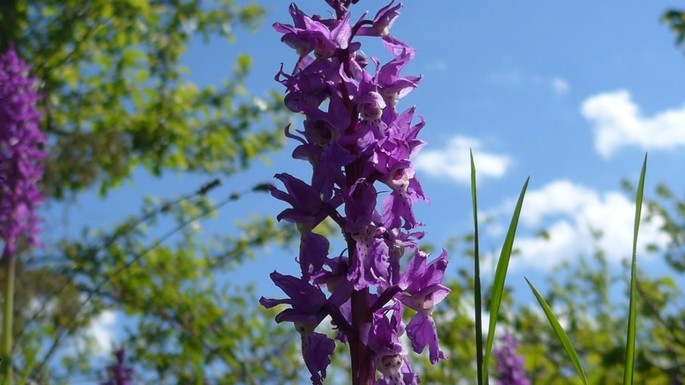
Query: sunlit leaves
point(116, 96)
point(676, 20)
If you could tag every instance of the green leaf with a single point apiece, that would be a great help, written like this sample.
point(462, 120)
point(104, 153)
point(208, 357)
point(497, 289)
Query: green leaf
point(632, 313)
point(3, 369)
point(501, 275)
point(141, 5)
point(478, 303)
point(559, 331)
point(244, 63)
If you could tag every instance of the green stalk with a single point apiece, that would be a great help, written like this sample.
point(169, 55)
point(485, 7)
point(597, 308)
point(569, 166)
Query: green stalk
point(560, 333)
point(7, 319)
point(478, 304)
point(362, 370)
point(500, 277)
point(632, 310)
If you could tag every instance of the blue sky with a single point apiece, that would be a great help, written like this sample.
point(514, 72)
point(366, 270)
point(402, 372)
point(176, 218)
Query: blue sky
point(571, 94)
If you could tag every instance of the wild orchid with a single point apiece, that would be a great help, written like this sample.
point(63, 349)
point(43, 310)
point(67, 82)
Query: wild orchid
point(21, 153)
point(360, 149)
point(509, 369)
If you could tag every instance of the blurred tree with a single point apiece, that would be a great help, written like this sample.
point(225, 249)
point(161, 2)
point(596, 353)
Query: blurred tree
point(116, 98)
point(675, 18)
point(114, 94)
point(583, 294)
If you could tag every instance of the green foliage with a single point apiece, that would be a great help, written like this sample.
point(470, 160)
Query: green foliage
point(500, 277)
point(186, 315)
point(477, 292)
point(629, 363)
point(559, 332)
point(676, 20)
point(669, 210)
point(482, 360)
point(582, 293)
point(629, 367)
point(117, 98)
point(116, 95)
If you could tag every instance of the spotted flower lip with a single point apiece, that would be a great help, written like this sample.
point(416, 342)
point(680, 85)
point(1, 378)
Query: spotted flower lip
point(384, 336)
point(422, 291)
point(360, 148)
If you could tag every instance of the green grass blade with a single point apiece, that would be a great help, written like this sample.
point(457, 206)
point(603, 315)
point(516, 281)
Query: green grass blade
point(3, 370)
point(632, 312)
point(500, 276)
point(478, 305)
point(559, 331)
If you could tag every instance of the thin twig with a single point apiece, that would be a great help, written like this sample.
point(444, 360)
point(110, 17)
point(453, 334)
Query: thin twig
point(159, 241)
point(203, 190)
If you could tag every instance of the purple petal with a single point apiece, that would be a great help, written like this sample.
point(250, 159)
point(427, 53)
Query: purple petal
point(313, 253)
point(421, 332)
point(317, 349)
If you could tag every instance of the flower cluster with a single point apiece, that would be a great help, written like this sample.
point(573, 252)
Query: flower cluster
point(509, 369)
point(119, 373)
point(360, 148)
point(20, 152)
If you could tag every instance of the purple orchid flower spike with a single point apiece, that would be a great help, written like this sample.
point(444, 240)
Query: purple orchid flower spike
point(358, 146)
point(119, 373)
point(21, 153)
point(509, 369)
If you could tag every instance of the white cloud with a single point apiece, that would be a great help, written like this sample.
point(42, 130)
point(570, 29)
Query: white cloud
point(508, 78)
point(557, 197)
point(452, 162)
point(102, 330)
point(438, 65)
point(570, 213)
point(617, 122)
point(514, 78)
point(559, 86)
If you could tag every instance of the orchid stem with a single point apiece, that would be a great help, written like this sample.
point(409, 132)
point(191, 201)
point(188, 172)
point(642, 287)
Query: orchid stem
point(359, 352)
point(7, 319)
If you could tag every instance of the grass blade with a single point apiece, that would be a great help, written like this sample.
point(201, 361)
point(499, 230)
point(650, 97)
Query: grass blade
point(559, 331)
point(478, 305)
point(500, 276)
point(632, 312)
